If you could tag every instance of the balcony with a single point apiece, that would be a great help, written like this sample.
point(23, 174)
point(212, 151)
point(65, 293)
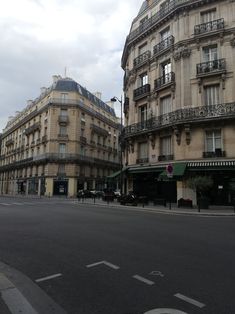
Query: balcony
point(98, 130)
point(165, 157)
point(142, 160)
point(141, 92)
point(211, 67)
point(33, 128)
point(217, 153)
point(9, 142)
point(209, 27)
point(126, 105)
point(163, 45)
point(164, 81)
point(63, 119)
point(178, 117)
point(63, 136)
point(141, 59)
point(83, 140)
point(44, 138)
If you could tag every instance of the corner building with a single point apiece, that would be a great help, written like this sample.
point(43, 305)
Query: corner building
point(179, 105)
point(63, 141)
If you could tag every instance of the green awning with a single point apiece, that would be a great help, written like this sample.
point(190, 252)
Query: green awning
point(178, 170)
point(145, 170)
point(114, 175)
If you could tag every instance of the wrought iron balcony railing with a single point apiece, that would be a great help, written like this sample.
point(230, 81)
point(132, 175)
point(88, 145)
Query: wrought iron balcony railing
point(9, 142)
point(63, 136)
point(83, 139)
point(211, 67)
point(164, 80)
point(141, 92)
point(142, 58)
point(33, 128)
point(142, 160)
point(98, 130)
point(209, 26)
point(182, 116)
point(157, 17)
point(63, 119)
point(164, 44)
point(217, 153)
point(165, 157)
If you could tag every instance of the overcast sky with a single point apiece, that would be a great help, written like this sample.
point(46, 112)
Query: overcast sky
point(40, 38)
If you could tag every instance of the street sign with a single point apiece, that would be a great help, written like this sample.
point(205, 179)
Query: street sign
point(169, 171)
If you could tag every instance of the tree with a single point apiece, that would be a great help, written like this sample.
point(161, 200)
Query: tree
point(201, 184)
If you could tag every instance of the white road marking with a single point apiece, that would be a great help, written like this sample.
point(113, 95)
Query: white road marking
point(48, 277)
point(17, 204)
point(164, 311)
point(13, 298)
point(156, 273)
point(5, 204)
point(140, 278)
point(105, 263)
point(189, 300)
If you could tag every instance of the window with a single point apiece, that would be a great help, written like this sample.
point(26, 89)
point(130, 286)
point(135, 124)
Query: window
point(211, 95)
point(210, 53)
point(61, 168)
point(166, 146)
point(62, 148)
point(166, 69)
point(143, 113)
point(64, 112)
point(165, 105)
point(143, 150)
point(165, 33)
point(63, 130)
point(64, 97)
point(213, 140)
point(82, 150)
point(143, 79)
point(208, 16)
point(142, 49)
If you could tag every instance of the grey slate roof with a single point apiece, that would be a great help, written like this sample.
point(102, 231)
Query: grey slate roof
point(69, 85)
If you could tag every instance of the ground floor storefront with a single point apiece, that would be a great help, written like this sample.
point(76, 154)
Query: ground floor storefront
point(153, 181)
point(50, 186)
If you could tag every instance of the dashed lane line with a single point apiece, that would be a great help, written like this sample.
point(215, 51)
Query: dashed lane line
point(48, 277)
point(189, 300)
point(105, 263)
point(145, 280)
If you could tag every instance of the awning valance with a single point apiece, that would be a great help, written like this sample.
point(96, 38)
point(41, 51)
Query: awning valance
point(210, 165)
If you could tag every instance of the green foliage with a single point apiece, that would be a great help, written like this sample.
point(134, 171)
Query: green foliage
point(200, 183)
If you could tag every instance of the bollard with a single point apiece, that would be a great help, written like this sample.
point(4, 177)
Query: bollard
point(170, 205)
point(94, 198)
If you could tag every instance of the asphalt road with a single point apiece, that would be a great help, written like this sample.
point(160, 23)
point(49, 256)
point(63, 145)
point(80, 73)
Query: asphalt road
point(120, 260)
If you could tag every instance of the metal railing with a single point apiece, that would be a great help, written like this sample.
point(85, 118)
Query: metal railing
point(209, 26)
point(141, 92)
point(165, 157)
point(157, 17)
point(164, 44)
point(211, 66)
point(164, 80)
point(182, 116)
point(142, 58)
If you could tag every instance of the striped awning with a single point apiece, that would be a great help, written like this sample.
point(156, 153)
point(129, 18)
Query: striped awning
point(212, 164)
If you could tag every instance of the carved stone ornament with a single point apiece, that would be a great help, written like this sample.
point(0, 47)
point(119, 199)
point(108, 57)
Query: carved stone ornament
point(152, 140)
point(199, 81)
point(223, 78)
point(177, 135)
point(186, 52)
point(131, 146)
point(187, 133)
point(177, 56)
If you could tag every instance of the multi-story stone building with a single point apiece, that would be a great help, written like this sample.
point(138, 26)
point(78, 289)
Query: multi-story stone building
point(63, 141)
point(180, 98)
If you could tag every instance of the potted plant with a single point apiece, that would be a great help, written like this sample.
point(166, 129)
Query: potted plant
point(201, 184)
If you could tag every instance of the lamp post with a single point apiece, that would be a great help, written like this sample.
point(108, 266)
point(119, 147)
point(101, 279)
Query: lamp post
point(114, 99)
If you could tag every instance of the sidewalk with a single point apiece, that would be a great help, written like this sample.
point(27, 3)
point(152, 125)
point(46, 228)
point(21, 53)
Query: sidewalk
point(169, 209)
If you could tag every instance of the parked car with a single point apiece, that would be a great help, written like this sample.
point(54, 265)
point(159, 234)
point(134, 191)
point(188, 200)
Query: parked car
point(129, 199)
point(117, 193)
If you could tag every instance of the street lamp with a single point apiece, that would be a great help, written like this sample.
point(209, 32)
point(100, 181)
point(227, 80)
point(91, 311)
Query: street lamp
point(114, 99)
